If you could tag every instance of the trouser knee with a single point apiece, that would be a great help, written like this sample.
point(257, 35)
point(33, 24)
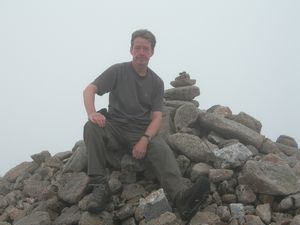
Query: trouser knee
point(91, 128)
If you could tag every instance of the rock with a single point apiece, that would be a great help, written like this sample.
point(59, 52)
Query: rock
point(166, 218)
point(219, 175)
point(220, 110)
point(191, 146)
point(290, 202)
point(183, 80)
point(289, 151)
point(269, 178)
point(231, 156)
point(185, 115)
point(205, 218)
point(182, 93)
point(68, 216)
point(41, 157)
point(245, 194)
point(248, 121)
point(36, 218)
point(154, 205)
point(287, 140)
point(264, 212)
point(72, 187)
point(15, 172)
point(231, 129)
point(237, 210)
point(296, 220)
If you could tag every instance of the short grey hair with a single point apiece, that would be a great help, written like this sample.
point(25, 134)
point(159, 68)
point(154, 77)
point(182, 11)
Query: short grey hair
point(146, 34)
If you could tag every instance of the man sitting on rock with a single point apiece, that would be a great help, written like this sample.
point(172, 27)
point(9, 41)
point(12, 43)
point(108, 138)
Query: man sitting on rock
point(131, 124)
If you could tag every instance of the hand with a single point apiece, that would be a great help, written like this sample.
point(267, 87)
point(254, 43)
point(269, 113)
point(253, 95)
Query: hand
point(97, 118)
point(140, 148)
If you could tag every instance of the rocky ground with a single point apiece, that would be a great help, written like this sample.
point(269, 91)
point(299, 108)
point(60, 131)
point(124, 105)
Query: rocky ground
point(254, 181)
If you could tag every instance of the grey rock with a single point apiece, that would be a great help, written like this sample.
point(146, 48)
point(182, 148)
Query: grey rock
point(287, 140)
point(264, 212)
point(290, 202)
point(104, 218)
point(237, 210)
point(115, 185)
point(289, 151)
point(295, 220)
point(231, 156)
point(183, 80)
point(269, 178)
point(269, 146)
point(185, 115)
point(15, 172)
point(4, 223)
point(177, 103)
point(166, 218)
point(191, 146)
point(36, 218)
point(154, 205)
point(231, 129)
point(63, 155)
point(187, 93)
point(245, 194)
point(131, 191)
point(34, 187)
point(5, 187)
point(219, 175)
point(72, 187)
point(68, 216)
point(281, 218)
point(229, 198)
point(205, 218)
point(220, 110)
point(248, 121)
point(125, 212)
point(224, 213)
point(253, 220)
point(41, 157)
point(53, 162)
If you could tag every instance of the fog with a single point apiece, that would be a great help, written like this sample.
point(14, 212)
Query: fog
point(243, 54)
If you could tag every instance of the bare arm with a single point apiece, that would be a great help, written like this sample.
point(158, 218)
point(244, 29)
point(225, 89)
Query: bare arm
point(89, 104)
point(154, 126)
point(140, 148)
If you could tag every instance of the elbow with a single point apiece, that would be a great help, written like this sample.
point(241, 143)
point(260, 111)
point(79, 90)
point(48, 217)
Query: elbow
point(90, 89)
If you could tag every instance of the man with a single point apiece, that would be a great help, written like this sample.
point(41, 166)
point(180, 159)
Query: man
point(131, 124)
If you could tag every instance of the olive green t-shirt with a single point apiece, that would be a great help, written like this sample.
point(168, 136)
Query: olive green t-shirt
point(132, 97)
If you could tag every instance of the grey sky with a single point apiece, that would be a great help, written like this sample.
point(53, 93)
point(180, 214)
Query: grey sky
point(243, 54)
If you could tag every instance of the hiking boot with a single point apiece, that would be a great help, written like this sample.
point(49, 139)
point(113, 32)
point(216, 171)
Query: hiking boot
point(101, 195)
point(188, 201)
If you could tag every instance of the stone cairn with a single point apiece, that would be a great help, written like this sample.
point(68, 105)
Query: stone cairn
point(254, 181)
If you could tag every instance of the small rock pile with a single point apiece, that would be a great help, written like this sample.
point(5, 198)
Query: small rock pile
point(254, 181)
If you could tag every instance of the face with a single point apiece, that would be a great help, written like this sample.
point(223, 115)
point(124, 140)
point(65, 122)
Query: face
point(141, 51)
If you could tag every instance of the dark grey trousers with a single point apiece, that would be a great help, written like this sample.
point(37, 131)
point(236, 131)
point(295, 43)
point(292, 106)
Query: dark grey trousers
point(101, 142)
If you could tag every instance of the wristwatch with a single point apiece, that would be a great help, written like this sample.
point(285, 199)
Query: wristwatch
point(147, 136)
